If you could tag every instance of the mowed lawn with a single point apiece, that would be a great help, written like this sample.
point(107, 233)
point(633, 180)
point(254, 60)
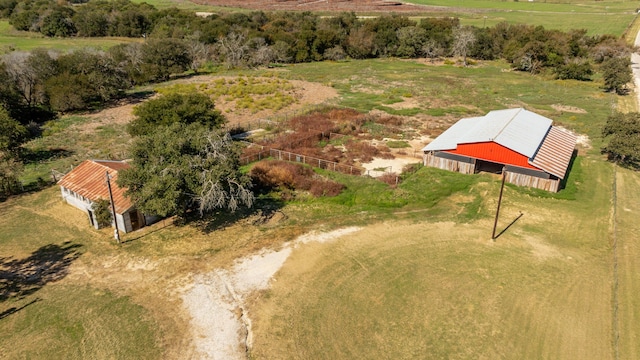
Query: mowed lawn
point(443, 289)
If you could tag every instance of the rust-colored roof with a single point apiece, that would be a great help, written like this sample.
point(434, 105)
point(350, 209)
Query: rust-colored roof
point(555, 152)
point(89, 180)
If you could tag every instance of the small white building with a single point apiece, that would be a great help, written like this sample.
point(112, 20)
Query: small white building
point(88, 183)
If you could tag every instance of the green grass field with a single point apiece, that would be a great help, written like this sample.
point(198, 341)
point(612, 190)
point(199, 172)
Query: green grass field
point(11, 39)
point(451, 92)
point(599, 17)
point(434, 287)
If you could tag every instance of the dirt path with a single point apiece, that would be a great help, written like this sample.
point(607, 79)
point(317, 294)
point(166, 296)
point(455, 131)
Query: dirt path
point(220, 323)
point(635, 67)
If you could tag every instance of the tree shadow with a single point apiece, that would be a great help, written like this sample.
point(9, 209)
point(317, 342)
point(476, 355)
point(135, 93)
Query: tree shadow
point(264, 210)
point(22, 277)
point(29, 156)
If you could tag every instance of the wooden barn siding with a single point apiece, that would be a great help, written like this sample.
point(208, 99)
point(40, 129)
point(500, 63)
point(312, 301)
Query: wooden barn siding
point(511, 177)
point(532, 181)
point(447, 164)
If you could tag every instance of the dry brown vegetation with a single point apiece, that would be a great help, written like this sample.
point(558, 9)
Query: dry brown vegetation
point(282, 176)
point(323, 5)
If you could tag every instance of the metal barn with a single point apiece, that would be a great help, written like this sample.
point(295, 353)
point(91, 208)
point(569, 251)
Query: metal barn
point(531, 151)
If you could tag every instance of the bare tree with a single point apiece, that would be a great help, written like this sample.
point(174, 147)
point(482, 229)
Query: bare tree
point(200, 52)
point(233, 48)
point(29, 72)
point(431, 49)
point(463, 39)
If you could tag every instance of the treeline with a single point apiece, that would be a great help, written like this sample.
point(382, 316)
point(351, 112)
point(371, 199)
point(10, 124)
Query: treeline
point(249, 39)
point(177, 41)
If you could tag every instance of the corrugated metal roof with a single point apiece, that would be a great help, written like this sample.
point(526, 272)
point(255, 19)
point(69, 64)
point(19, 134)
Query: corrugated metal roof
point(517, 129)
point(449, 139)
point(89, 180)
point(524, 132)
point(555, 152)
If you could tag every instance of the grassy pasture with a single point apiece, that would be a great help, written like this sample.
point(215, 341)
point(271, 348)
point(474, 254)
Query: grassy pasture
point(445, 93)
point(627, 253)
point(600, 17)
point(44, 314)
point(23, 40)
point(433, 280)
point(443, 289)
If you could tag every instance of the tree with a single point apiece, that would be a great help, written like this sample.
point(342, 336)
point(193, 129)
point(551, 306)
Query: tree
point(234, 49)
point(175, 108)
point(102, 210)
point(12, 134)
point(616, 73)
point(182, 167)
point(463, 40)
point(161, 58)
point(10, 170)
point(575, 69)
point(623, 131)
point(85, 77)
point(411, 41)
point(28, 72)
point(58, 23)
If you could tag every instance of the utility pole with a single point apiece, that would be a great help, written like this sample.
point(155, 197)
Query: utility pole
point(116, 233)
point(495, 223)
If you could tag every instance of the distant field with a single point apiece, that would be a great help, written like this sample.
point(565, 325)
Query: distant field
point(537, 5)
point(600, 17)
point(22, 40)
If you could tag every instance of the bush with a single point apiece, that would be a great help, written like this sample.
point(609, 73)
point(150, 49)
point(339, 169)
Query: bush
point(284, 177)
point(326, 188)
point(390, 178)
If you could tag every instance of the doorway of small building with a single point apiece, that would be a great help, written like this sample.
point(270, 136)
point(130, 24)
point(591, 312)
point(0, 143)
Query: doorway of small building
point(91, 218)
point(137, 220)
point(489, 167)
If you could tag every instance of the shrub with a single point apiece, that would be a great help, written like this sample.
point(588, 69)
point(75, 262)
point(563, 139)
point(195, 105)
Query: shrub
point(284, 177)
point(390, 178)
point(326, 188)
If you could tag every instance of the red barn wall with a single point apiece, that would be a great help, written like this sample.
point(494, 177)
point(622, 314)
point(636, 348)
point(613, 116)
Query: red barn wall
point(491, 151)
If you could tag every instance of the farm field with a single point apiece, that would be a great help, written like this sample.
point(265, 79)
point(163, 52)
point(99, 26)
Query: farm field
point(21, 40)
point(602, 17)
point(420, 277)
point(423, 266)
point(443, 289)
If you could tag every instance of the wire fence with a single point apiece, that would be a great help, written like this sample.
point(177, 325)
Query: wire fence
point(316, 162)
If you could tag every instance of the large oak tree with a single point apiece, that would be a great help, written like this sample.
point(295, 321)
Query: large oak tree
point(182, 167)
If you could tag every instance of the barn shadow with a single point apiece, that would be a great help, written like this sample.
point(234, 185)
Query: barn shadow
point(563, 182)
point(22, 277)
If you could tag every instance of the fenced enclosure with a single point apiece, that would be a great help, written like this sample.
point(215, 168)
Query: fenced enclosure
point(316, 162)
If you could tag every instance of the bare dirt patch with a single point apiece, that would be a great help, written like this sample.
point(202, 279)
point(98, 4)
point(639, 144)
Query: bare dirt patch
point(407, 103)
point(306, 93)
point(566, 108)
